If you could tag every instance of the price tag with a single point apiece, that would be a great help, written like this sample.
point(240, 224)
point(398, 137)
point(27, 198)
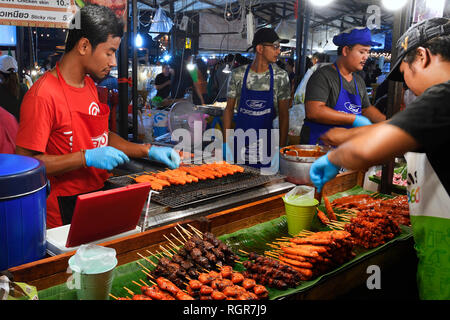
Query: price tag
point(38, 13)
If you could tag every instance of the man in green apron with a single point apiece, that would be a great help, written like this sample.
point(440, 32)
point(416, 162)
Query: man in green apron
point(421, 132)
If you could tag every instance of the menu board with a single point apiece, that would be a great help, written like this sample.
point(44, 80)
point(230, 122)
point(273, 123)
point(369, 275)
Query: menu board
point(51, 13)
point(38, 13)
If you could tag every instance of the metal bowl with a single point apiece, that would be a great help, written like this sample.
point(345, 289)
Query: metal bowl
point(296, 166)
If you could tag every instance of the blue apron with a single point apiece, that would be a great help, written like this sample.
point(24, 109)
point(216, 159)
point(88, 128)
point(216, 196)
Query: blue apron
point(347, 102)
point(256, 111)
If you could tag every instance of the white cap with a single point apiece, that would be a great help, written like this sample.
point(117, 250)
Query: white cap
point(7, 63)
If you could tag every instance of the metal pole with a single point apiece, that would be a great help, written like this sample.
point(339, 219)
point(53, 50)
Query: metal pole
point(134, 72)
point(299, 41)
point(123, 87)
point(402, 21)
point(173, 31)
point(305, 39)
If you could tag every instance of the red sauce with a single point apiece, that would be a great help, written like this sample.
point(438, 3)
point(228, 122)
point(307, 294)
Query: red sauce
point(296, 151)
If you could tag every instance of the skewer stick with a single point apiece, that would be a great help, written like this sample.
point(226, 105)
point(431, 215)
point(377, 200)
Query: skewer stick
point(182, 243)
point(147, 259)
point(144, 282)
point(189, 234)
point(171, 242)
point(165, 250)
point(171, 249)
point(163, 254)
point(144, 267)
point(180, 234)
point(129, 291)
point(175, 248)
point(138, 284)
point(198, 232)
point(244, 252)
point(153, 254)
point(146, 273)
point(115, 298)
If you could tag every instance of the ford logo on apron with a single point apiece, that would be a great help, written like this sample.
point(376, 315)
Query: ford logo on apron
point(256, 104)
point(353, 108)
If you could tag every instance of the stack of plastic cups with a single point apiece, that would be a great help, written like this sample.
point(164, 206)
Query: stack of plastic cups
point(93, 283)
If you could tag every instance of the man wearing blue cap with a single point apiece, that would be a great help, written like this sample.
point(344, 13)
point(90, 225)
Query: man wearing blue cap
point(421, 132)
point(335, 95)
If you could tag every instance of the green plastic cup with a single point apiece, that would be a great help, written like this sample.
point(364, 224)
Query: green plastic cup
point(94, 286)
point(299, 214)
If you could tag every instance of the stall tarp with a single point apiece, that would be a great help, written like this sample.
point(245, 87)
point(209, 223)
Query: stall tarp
point(215, 34)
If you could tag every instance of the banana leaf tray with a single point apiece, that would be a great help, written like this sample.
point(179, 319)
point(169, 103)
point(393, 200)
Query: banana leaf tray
point(250, 239)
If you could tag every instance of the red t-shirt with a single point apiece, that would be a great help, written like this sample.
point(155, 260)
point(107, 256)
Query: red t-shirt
point(45, 122)
point(8, 131)
point(46, 126)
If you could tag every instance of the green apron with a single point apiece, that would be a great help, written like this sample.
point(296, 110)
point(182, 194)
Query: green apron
point(429, 206)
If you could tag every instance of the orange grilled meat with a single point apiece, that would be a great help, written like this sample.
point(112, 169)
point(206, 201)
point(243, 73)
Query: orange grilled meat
point(167, 285)
point(329, 208)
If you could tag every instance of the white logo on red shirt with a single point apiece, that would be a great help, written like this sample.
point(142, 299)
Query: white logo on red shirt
point(101, 140)
point(94, 109)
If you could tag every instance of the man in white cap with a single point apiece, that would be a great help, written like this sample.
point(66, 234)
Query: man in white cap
point(335, 95)
point(11, 89)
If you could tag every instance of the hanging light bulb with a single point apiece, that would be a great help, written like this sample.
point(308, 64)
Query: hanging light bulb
point(138, 41)
point(321, 3)
point(190, 66)
point(393, 5)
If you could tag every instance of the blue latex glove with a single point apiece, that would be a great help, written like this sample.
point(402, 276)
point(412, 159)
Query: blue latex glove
point(361, 121)
point(322, 171)
point(227, 153)
point(105, 158)
point(165, 155)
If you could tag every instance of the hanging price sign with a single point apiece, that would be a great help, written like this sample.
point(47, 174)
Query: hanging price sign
point(37, 13)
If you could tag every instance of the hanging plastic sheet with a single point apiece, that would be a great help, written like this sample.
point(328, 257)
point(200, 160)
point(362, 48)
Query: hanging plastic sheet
point(161, 24)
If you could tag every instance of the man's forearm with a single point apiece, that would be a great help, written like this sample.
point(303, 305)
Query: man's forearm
point(56, 164)
point(132, 150)
point(228, 117)
point(373, 114)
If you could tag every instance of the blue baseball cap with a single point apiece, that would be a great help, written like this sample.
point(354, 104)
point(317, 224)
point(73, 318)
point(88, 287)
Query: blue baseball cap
point(358, 35)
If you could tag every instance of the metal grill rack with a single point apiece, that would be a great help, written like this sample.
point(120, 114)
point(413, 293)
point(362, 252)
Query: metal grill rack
point(176, 196)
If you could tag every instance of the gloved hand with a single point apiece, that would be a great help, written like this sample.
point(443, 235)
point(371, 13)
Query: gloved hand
point(166, 155)
point(322, 171)
point(361, 121)
point(105, 158)
point(227, 153)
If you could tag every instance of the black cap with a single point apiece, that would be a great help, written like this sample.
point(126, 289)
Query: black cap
point(416, 36)
point(266, 35)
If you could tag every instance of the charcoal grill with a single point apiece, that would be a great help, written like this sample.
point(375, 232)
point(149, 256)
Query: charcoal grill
point(176, 196)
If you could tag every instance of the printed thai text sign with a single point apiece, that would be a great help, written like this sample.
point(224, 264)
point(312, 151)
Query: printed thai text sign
point(37, 13)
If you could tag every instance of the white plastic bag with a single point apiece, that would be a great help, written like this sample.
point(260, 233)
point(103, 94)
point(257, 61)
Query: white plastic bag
point(296, 119)
point(299, 194)
point(161, 23)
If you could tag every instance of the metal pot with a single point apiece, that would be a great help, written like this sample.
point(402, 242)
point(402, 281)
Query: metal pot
point(296, 167)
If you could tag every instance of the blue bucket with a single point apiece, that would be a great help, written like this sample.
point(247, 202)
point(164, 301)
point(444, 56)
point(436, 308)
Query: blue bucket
point(23, 210)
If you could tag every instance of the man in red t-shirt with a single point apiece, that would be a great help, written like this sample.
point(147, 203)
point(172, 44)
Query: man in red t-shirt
point(64, 124)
